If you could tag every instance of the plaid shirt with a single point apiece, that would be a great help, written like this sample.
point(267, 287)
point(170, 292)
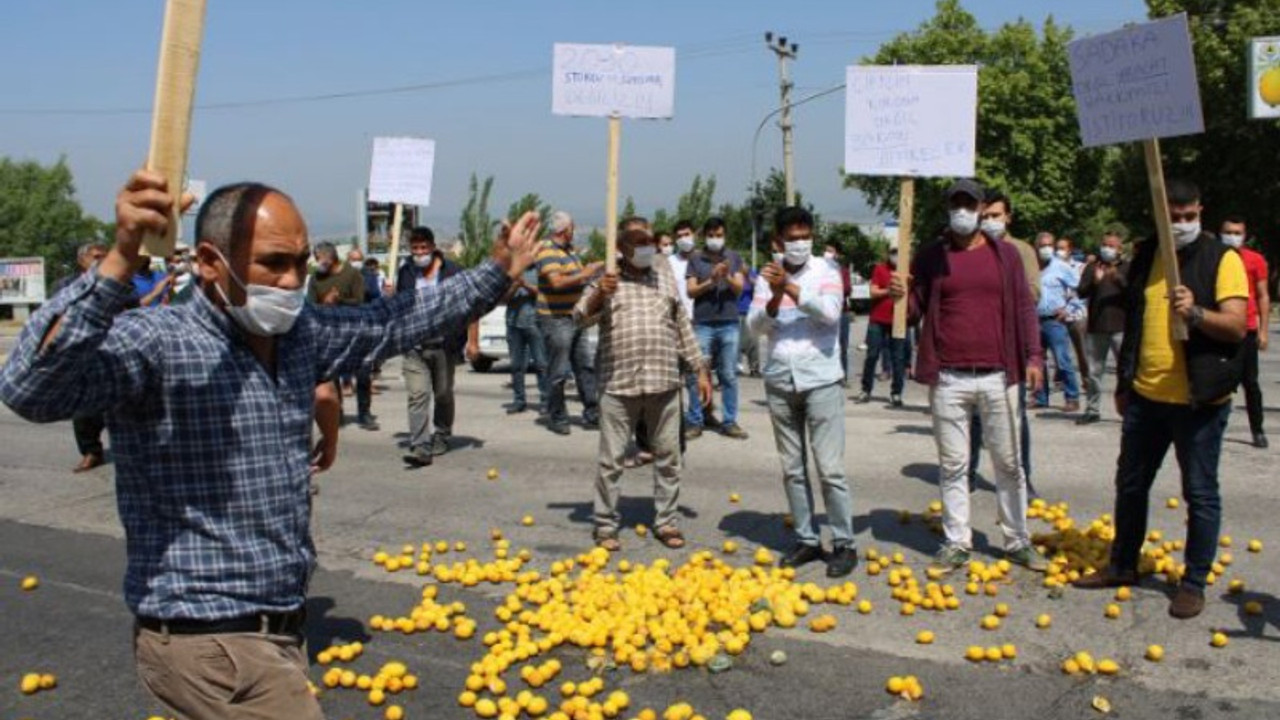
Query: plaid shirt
point(644, 334)
point(213, 453)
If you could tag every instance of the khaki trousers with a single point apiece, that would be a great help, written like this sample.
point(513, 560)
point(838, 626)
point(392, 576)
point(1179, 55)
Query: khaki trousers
point(233, 676)
point(618, 418)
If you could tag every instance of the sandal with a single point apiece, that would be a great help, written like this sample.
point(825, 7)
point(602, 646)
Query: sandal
point(670, 536)
point(608, 541)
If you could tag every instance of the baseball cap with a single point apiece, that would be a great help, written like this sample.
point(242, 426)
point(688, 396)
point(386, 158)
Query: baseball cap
point(965, 186)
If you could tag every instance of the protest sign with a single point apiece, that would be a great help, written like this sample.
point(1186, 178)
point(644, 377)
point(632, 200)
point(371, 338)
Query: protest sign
point(1264, 78)
point(910, 121)
point(174, 99)
point(1136, 83)
point(401, 173)
point(22, 281)
point(613, 81)
point(1139, 84)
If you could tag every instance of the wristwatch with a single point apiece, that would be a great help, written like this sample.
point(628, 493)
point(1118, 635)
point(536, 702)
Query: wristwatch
point(1197, 316)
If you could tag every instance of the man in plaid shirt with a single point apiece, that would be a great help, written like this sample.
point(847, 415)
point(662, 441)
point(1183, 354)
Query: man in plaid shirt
point(645, 335)
point(210, 409)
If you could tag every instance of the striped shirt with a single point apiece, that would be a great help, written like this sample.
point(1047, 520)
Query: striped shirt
point(212, 451)
point(645, 334)
point(804, 339)
point(553, 258)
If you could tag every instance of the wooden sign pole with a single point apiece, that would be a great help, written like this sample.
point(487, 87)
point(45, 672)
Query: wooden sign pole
point(397, 217)
point(1164, 230)
point(171, 115)
point(611, 207)
point(906, 209)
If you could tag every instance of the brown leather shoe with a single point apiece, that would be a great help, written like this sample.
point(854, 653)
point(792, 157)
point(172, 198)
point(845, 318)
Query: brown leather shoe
point(1188, 603)
point(1106, 579)
point(89, 462)
point(1071, 406)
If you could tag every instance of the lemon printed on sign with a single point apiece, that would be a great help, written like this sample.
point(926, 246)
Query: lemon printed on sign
point(1269, 86)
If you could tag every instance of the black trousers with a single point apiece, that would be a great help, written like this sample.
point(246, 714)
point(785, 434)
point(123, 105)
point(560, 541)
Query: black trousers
point(1252, 391)
point(88, 430)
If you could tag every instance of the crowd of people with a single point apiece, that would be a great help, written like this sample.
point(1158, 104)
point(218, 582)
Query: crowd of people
point(212, 383)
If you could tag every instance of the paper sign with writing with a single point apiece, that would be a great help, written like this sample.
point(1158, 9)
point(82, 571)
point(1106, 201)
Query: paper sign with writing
point(21, 281)
point(401, 171)
point(604, 80)
point(1264, 77)
point(910, 120)
point(1137, 83)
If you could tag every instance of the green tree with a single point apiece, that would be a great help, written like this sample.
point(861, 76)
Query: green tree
point(860, 251)
point(531, 202)
point(1028, 140)
point(476, 226)
point(596, 245)
point(628, 209)
point(695, 204)
point(40, 217)
point(756, 213)
point(1234, 160)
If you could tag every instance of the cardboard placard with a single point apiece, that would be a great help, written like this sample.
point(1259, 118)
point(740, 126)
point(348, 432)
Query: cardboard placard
point(910, 120)
point(1137, 83)
point(401, 170)
point(613, 81)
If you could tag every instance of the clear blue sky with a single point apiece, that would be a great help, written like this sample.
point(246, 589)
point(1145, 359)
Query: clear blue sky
point(93, 55)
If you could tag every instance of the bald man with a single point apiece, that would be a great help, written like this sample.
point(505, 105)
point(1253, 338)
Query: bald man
point(210, 409)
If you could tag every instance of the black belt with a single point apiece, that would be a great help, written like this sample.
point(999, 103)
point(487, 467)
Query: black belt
point(289, 623)
point(974, 370)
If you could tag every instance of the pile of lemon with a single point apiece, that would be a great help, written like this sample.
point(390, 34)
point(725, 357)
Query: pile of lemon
point(393, 679)
point(908, 688)
point(1083, 663)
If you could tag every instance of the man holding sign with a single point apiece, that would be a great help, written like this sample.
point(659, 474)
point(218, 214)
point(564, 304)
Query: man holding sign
point(1177, 393)
point(210, 409)
point(978, 340)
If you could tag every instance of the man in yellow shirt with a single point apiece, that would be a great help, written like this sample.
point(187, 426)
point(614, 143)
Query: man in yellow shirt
point(1177, 392)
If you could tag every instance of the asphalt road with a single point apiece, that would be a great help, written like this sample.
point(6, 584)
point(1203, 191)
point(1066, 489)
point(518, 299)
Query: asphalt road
point(64, 529)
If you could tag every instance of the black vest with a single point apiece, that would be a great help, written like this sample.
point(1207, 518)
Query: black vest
point(1214, 368)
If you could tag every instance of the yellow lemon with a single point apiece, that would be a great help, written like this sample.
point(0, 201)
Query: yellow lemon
point(864, 606)
point(395, 712)
point(492, 474)
point(486, 708)
point(1219, 640)
point(896, 685)
point(1043, 621)
point(527, 520)
point(735, 497)
point(1123, 594)
point(1269, 86)
point(738, 715)
point(730, 547)
point(1108, 667)
point(1255, 546)
point(30, 683)
point(1113, 611)
point(1172, 503)
point(994, 654)
point(1155, 653)
point(1009, 651)
point(1253, 607)
point(1224, 541)
point(30, 582)
point(1002, 610)
point(990, 622)
point(975, 653)
point(925, 637)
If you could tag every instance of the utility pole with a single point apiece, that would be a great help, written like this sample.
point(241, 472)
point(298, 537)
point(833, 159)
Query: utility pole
point(785, 52)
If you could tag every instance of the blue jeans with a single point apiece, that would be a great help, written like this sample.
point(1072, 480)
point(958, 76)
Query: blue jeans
point(880, 339)
point(813, 420)
point(567, 352)
point(719, 342)
point(526, 346)
point(1196, 435)
point(1024, 432)
point(1056, 338)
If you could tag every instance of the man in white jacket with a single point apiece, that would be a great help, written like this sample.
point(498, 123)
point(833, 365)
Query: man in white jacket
point(797, 306)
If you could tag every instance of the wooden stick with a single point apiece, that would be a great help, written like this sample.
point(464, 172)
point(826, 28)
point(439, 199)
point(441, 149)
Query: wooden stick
point(171, 115)
point(611, 203)
point(397, 217)
point(1164, 231)
point(906, 208)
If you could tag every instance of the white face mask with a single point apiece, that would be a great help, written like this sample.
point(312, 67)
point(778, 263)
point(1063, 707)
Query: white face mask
point(642, 256)
point(893, 258)
point(1108, 254)
point(266, 310)
point(798, 251)
point(1046, 253)
point(668, 250)
point(964, 221)
point(993, 228)
point(779, 257)
point(715, 244)
point(685, 243)
point(830, 255)
point(1063, 254)
point(324, 266)
point(1185, 233)
point(422, 261)
point(1232, 240)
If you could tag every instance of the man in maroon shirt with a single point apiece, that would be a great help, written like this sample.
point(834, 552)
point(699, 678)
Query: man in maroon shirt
point(979, 338)
point(880, 335)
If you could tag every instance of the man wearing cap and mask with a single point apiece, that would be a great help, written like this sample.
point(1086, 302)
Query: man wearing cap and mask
point(1176, 393)
point(978, 341)
point(797, 305)
point(645, 339)
point(210, 409)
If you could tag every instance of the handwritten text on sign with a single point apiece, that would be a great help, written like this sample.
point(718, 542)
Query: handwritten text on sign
point(1137, 83)
point(401, 170)
point(606, 80)
point(910, 121)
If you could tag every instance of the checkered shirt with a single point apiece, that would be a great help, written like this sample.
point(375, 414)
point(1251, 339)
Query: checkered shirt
point(212, 452)
point(645, 334)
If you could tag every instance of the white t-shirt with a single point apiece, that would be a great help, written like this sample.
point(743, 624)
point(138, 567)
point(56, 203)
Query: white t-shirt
point(679, 266)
